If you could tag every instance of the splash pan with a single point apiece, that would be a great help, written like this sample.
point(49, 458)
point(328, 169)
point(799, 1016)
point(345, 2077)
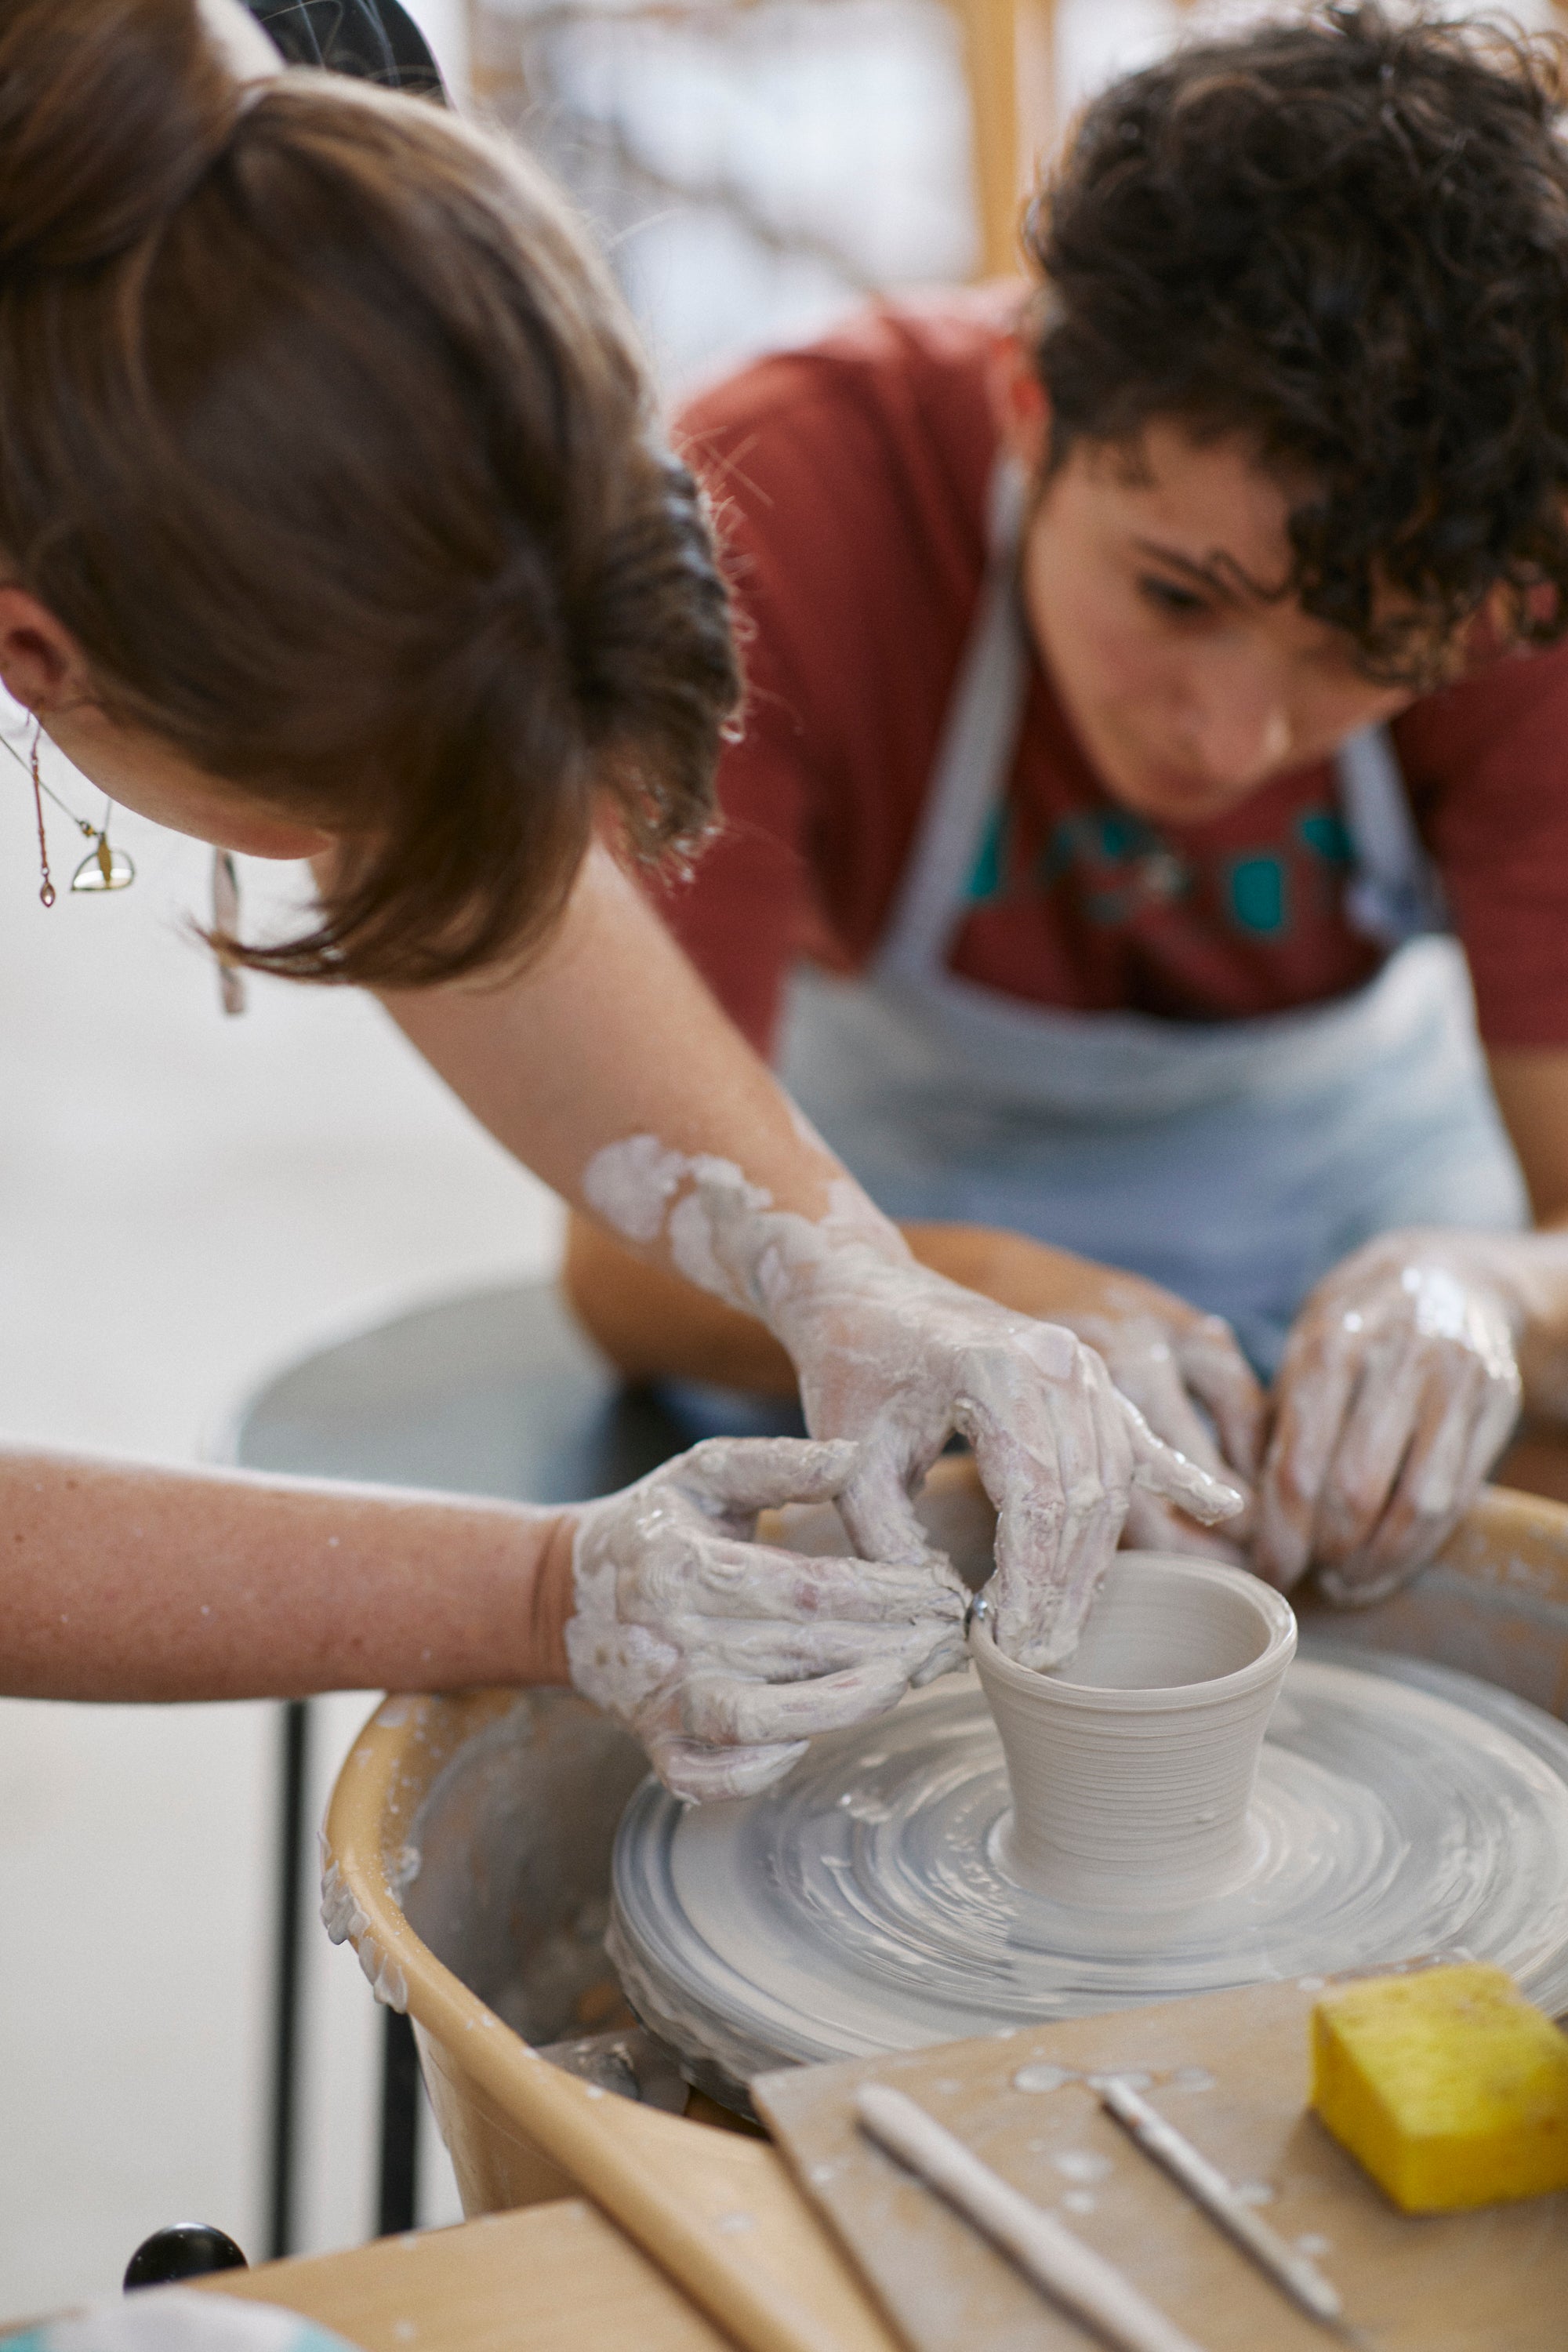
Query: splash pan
point(866, 1903)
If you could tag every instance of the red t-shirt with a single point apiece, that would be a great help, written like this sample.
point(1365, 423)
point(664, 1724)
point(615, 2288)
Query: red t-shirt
point(850, 481)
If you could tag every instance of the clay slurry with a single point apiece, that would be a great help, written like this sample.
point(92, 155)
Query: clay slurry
point(868, 1903)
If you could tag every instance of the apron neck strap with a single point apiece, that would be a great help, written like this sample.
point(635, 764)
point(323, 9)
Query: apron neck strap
point(974, 752)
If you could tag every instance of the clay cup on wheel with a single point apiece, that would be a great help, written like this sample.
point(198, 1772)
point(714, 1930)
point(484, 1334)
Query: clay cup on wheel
point(1133, 1764)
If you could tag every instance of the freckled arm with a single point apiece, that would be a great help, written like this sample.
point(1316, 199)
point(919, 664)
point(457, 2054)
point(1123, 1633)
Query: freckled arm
point(120, 1582)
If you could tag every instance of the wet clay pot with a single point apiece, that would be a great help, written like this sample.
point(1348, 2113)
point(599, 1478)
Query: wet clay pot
point(1133, 1765)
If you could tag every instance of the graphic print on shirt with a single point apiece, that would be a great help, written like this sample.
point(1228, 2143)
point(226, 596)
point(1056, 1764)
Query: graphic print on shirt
point(1119, 870)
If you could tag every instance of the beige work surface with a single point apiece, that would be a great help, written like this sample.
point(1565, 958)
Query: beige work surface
point(551, 2278)
point(1496, 2281)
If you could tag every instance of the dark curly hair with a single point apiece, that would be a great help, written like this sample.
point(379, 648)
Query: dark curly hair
point(1345, 239)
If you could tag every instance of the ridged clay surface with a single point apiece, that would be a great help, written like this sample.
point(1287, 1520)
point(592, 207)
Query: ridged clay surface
point(1132, 1765)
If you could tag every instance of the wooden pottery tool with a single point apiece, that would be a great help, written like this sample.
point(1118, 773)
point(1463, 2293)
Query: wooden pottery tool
point(1061, 2265)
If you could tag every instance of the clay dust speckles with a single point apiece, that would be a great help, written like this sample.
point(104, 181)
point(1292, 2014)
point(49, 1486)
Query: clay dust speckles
point(1043, 2078)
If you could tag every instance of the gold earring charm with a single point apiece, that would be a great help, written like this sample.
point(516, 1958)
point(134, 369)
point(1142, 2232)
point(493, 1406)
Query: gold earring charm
point(104, 868)
point(46, 889)
point(226, 923)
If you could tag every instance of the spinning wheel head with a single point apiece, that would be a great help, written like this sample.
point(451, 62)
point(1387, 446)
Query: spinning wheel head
point(869, 1903)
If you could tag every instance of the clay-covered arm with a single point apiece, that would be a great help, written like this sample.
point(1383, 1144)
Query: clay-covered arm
point(125, 1582)
point(1409, 1365)
point(1176, 1363)
point(607, 1067)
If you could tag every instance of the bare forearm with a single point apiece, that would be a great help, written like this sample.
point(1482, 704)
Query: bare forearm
point(125, 1583)
point(652, 1325)
point(610, 1033)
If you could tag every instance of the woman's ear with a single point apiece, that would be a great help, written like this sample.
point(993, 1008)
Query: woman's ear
point(1019, 403)
point(41, 665)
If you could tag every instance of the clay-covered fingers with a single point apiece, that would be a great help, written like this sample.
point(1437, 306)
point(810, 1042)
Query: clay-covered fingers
point(702, 1775)
point(875, 1501)
point(1187, 1376)
point(730, 1710)
point(1208, 1356)
point(1058, 1467)
point(948, 1654)
point(1155, 1526)
point(721, 1655)
point(712, 1575)
point(1399, 1386)
point(736, 1477)
point(1173, 1420)
point(1160, 1469)
point(763, 1692)
point(1153, 1381)
point(1397, 1404)
point(1060, 1464)
point(784, 1652)
point(1458, 1425)
point(1317, 1381)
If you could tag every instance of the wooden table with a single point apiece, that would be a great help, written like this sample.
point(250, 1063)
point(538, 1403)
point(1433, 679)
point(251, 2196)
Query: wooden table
point(548, 2278)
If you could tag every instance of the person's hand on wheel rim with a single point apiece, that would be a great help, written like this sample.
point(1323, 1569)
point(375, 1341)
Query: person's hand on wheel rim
point(1399, 1388)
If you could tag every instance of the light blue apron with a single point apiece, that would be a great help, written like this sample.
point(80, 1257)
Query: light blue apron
point(1235, 1161)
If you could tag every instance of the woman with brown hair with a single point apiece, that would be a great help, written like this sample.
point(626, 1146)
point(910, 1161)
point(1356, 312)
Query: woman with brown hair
point(336, 525)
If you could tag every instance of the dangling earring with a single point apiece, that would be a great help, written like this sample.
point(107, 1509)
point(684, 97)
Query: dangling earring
point(102, 869)
point(226, 923)
point(46, 891)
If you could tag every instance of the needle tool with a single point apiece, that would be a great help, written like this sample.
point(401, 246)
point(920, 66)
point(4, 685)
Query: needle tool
point(1207, 2186)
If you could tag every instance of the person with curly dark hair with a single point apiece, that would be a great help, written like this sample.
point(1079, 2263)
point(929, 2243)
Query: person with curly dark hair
point(1158, 733)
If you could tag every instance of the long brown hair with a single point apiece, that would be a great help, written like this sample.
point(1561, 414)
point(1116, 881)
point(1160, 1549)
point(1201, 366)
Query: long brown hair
point(323, 432)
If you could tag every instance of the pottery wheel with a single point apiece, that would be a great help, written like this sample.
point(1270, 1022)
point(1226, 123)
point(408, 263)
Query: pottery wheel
point(863, 1905)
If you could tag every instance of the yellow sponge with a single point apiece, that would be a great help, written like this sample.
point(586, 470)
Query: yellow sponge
point(1448, 2085)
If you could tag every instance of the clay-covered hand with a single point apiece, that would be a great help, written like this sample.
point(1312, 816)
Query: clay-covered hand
point(1399, 1388)
point(725, 1656)
point(1186, 1373)
point(900, 1357)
